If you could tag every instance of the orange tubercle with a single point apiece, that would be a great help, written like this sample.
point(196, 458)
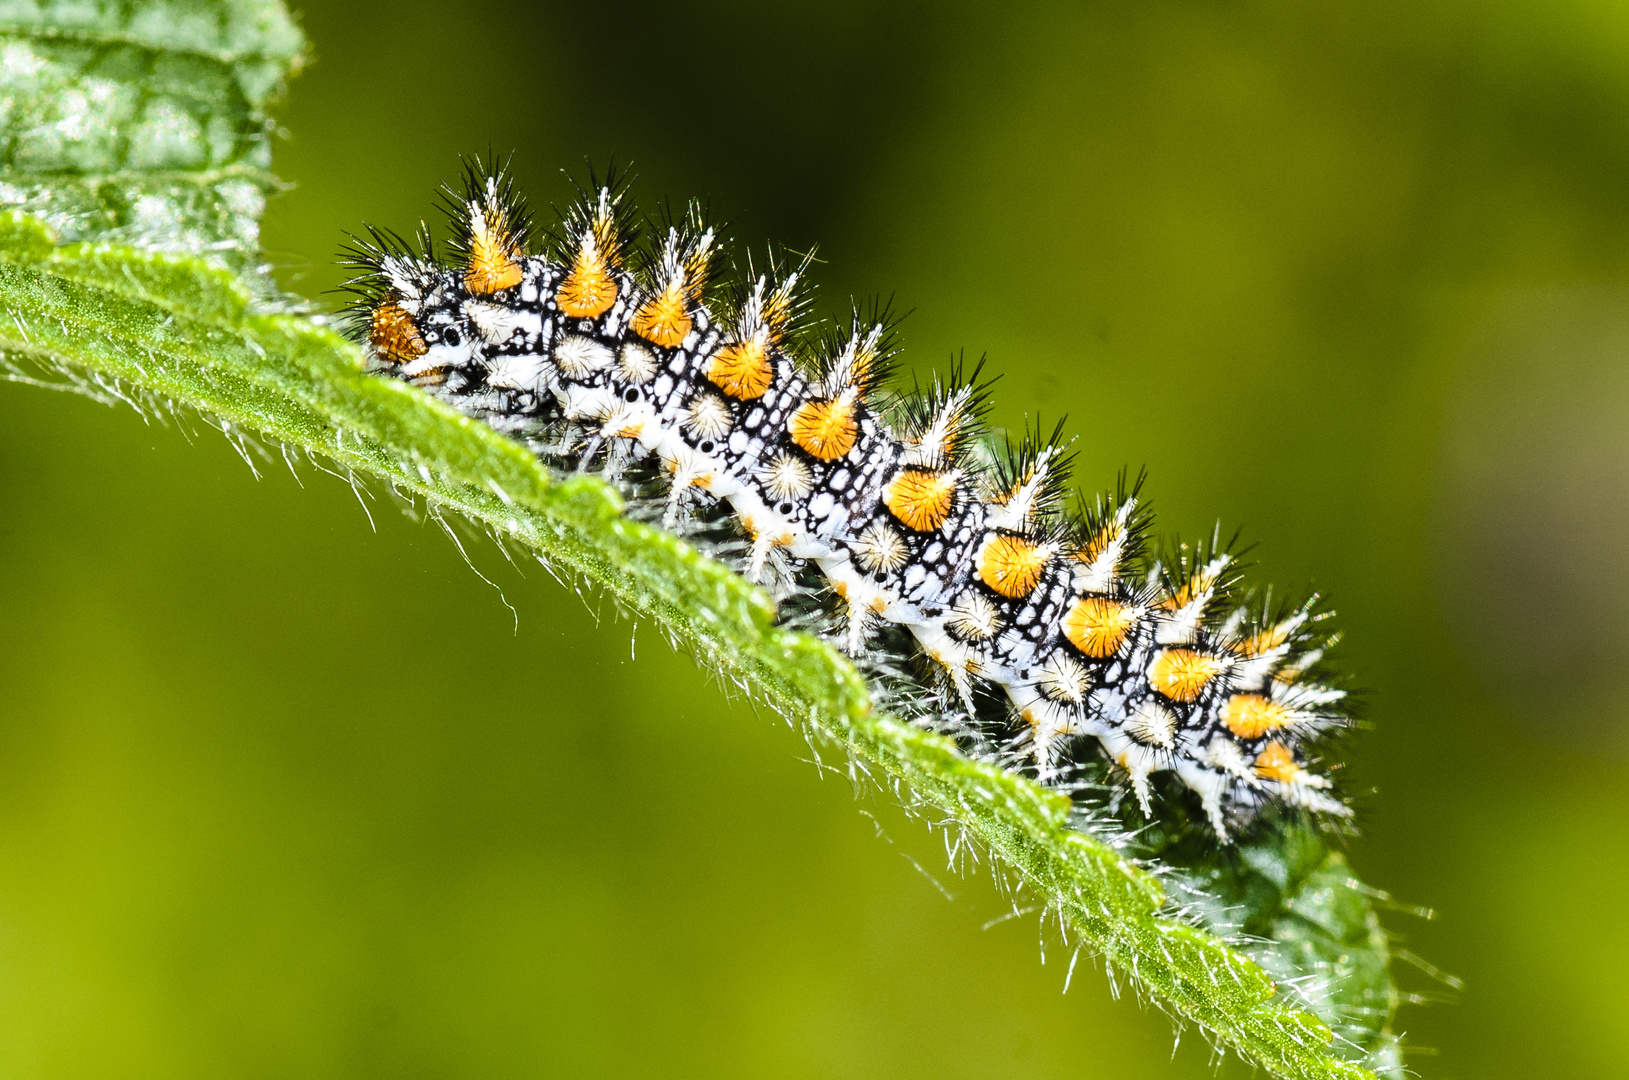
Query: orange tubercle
point(1277, 762)
point(1196, 587)
point(492, 262)
point(920, 498)
point(1265, 641)
point(1181, 674)
point(825, 429)
point(742, 371)
point(1012, 565)
point(1098, 626)
point(1099, 543)
point(663, 319)
point(590, 289)
point(1250, 716)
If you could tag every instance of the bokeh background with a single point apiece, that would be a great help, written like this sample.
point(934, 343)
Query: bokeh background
point(286, 793)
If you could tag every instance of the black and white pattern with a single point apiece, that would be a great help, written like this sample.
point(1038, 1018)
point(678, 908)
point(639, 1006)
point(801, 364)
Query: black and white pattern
point(602, 352)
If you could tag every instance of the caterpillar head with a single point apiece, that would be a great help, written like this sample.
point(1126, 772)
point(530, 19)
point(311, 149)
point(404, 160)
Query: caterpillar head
point(410, 313)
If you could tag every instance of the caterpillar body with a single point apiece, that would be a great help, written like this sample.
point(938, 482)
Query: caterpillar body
point(607, 352)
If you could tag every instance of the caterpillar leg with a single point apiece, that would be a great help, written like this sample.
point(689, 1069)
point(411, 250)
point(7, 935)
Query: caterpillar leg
point(689, 470)
point(859, 621)
point(762, 545)
point(1212, 788)
point(1048, 731)
point(960, 673)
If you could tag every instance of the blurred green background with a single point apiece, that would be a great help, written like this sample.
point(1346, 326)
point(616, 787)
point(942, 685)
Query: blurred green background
point(282, 794)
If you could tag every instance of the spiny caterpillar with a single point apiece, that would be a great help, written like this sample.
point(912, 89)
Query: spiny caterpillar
point(603, 352)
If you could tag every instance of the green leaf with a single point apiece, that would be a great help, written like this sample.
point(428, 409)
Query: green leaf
point(136, 144)
point(144, 123)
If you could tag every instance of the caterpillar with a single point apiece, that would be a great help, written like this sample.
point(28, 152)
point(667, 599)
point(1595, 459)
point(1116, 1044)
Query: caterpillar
point(619, 345)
